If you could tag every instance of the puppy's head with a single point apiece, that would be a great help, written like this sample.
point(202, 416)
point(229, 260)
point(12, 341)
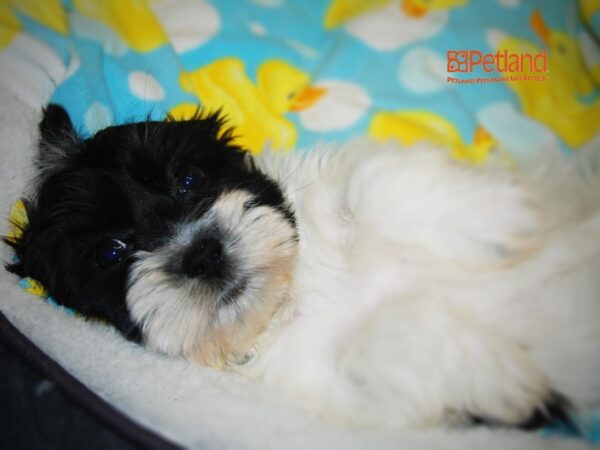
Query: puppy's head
point(164, 229)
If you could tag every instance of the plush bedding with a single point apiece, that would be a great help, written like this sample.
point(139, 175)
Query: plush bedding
point(286, 74)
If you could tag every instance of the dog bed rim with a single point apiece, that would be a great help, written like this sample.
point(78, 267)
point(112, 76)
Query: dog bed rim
point(77, 392)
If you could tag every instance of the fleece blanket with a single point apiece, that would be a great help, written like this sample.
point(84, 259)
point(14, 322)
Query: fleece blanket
point(290, 72)
point(509, 76)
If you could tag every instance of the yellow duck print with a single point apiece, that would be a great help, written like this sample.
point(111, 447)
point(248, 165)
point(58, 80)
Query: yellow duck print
point(341, 11)
point(556, 102)
point(255, 111)
point(565, 58)
point(589, 8)
point(132, 20)
point(49, 13)
point(33, 287)
point(412, 127)
point(9, 25)
point(419, 8)
point(18, 220)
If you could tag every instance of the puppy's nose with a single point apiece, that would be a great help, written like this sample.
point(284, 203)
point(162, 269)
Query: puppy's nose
point(205, 259)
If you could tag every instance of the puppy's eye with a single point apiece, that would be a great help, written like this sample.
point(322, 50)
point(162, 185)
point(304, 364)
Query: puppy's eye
point(249, 204)
point(110, 251)
point(186, 183)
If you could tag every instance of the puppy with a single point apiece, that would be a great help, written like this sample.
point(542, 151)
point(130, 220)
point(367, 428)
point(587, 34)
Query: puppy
point(372, 284)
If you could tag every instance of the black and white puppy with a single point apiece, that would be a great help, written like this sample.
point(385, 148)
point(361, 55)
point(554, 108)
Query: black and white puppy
point(375, 284)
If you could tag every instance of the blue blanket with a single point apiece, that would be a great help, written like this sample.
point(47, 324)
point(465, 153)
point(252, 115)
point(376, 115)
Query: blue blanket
point(290, 73)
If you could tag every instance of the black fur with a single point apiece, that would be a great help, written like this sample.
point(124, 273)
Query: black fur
point(554, 411)
point(123, 183)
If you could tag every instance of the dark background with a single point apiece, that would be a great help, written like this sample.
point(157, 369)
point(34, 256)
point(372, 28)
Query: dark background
point(35, 414)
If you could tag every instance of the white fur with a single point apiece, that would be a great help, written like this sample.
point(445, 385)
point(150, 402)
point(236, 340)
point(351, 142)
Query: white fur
point(186, 316)
point(425, 288)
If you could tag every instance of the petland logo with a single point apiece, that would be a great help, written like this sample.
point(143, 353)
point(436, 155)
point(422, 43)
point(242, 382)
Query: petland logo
point(508, 66)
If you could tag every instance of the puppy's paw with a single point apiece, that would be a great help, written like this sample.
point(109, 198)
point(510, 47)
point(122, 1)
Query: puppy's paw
point(517, 225)
point(508, 390)
point(554, 410)
point(500, 224)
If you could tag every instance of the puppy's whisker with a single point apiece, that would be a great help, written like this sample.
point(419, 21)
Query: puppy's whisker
point(303, 187)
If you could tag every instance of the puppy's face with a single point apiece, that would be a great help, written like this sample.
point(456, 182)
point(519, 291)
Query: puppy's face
point(163, 229)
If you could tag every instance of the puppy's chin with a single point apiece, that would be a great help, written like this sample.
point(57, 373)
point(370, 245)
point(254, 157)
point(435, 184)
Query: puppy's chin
point(215, 322)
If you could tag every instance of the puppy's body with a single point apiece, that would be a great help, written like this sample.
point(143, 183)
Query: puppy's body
point(374, 284)
point(425, 290)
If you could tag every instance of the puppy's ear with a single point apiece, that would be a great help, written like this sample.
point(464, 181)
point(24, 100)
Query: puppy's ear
point(59, 141)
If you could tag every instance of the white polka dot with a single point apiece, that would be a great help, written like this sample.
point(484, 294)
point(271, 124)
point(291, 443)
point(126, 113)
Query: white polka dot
point(422, 71)
point(589, 49)
point(188, 23)
point(524, 137)
point(342, 105)
point(509, 3)
point(304, 50)
point(268, 3)
point(145, 86)
point(98, 32)
point(74, 63)
point(389, 28)
point(97, 117)
point(495, 37)
point(257, 28)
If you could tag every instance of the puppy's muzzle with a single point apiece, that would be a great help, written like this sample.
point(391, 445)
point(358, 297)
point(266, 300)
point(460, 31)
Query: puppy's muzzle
point(205, 259)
